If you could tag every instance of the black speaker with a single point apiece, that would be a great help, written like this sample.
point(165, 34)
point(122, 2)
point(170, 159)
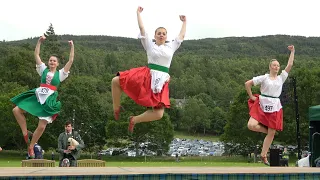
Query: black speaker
point(314, 141)
point(274, 157)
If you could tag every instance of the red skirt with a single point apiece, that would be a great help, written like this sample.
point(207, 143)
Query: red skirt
point(136, 83)
point(271, 120)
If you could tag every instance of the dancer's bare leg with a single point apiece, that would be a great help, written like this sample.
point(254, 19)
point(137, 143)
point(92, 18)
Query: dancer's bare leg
point(149, 115)
point(116, 93)
point(254, 125)
point(38, 132)
point(21, 119)
point(36, 136)
point(267, 141)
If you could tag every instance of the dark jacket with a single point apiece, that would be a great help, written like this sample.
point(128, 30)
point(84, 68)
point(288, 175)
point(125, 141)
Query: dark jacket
point(63, 144)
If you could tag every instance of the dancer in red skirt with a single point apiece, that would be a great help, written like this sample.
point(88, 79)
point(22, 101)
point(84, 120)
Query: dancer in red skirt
point(148, 86)
point(265, 109)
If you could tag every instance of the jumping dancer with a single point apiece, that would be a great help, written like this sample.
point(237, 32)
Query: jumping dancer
point(42, 101)
point(148, 86)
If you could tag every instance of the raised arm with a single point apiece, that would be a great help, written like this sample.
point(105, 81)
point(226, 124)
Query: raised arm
point(183, 28)
point(71, 56)
point(37, 50)
point(291, 58)
point(141, 27)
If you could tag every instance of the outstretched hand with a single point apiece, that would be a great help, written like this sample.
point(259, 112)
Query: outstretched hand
point(183, 18)
point(70, 43)
point(42, 38)
point(140, 9)
point(291, 48)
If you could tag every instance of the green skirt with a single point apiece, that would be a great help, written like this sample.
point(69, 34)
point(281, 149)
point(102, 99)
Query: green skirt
point(28, 101)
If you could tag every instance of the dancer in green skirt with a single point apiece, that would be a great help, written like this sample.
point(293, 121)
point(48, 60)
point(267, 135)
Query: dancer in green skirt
point(42, 101)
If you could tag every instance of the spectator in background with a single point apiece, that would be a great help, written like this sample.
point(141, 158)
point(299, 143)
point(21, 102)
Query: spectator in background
point(285, 158)
point(70, 144)
point(52, 155)
point(38, 151)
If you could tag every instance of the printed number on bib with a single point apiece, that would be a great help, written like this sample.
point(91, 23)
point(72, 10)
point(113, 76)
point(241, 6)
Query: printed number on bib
point(268, 108)
point(44, 90)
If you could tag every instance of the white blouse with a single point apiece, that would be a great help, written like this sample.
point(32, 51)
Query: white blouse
point(62, 75)
point(160, 55)
point(272, 88)
point(43, 93)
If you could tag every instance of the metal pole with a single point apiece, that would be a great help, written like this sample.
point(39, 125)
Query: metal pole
point(73, 122)
point(297, 116)
point(73, 119)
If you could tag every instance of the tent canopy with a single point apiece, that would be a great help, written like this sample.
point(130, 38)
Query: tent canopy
point(314, 113)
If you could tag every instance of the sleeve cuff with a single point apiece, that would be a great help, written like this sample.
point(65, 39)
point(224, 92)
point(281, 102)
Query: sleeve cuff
point(179, 40)
point(142, 37)
point(285, 73)
point(65, 73)
point(39, 65)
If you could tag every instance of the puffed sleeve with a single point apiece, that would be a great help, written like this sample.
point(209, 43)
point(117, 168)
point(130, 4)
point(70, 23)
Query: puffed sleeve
point(40, 68)
point(146, 41)
point(175, 44)
point(259, 79)
point(284, 76)
point(63, 75)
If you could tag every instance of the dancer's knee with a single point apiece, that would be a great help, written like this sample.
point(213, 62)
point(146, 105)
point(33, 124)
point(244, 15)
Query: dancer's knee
point(251, 126)
point(158, 114)
point(116, 81)
point(42, 125)
point(17, 110)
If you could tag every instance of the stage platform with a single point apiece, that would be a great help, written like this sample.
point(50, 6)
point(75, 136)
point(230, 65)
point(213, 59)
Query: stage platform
point(164, 173)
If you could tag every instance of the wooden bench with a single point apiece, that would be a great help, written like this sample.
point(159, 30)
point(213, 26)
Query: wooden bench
point(91, 163)
point(38, 163)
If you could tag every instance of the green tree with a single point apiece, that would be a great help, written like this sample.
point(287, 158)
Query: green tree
point(175, 114)
point(196, 116)
point(236, 133)
point(51, 45)
point(218, 120)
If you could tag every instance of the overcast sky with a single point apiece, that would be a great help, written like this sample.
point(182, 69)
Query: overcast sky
point(20, 19)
